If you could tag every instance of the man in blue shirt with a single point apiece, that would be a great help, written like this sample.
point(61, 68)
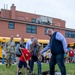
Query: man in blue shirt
point(29, 42)
point(58, 47)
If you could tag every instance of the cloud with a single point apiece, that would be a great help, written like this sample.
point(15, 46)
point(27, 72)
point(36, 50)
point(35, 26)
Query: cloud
point(62, 9)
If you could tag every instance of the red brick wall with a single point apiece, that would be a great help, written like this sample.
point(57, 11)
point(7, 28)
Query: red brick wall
point(0, 13)
point(20, 28)
point(40, 33)
point(60, 30)
point(59, 22)
point(5, 14)
point(70, 40)
point(4, 31)
point(25, 16)
point(13, 12)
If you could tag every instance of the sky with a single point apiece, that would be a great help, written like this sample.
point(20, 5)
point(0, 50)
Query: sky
point(61, 9)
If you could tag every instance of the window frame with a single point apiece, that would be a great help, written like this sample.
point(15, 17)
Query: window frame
point(33, 20)
point(32, 30)
point(11, 25)
point(70, 34)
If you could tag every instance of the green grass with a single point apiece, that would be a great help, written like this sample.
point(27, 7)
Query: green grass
point(12, 70)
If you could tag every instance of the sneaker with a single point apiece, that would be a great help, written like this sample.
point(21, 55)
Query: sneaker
point(9, 65)
point(6, 65)
point(16, 74)
point(20, 72)
point(30, 73)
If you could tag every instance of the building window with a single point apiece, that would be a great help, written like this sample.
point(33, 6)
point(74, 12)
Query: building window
point(33, 20)
point(31, 29)
point(11, 25)
point(46, 28)
point(70, 34)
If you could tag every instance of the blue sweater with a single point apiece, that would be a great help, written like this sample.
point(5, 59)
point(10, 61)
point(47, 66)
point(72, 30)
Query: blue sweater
point(57, 36)
point(56, 45)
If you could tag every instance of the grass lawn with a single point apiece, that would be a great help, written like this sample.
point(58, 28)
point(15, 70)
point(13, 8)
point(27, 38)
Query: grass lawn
point(12, 70)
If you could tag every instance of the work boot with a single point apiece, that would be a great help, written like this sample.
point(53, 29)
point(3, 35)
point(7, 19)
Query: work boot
point(18, 74)
point(6, 65)
point(9, 65)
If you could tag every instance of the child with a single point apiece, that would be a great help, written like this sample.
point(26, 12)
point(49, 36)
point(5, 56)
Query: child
point(3, 55)
point(73, 59)
point(24, 61)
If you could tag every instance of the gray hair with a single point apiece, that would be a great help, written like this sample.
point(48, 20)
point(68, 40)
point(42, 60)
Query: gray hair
point(11, 36)
point(49, 30)
point(32, 37)
point(35, 40)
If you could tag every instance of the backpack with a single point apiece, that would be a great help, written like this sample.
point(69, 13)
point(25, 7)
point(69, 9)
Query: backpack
point(71, 53)
point(17, 50)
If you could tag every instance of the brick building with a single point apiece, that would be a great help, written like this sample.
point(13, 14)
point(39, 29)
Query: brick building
point(24, 24)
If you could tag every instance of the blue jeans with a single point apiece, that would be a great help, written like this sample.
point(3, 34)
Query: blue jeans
point(13, 57)
point(59, 60)
point(32, 65)
point(3, 58)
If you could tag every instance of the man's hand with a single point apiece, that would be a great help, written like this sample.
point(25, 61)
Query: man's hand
point(39, 53)
point(66, 51)
point(21, 48)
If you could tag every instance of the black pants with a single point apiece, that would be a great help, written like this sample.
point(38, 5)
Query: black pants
point(59, 60)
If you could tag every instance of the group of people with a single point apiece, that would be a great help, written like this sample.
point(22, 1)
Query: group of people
point(27, 55)
point(70, 56)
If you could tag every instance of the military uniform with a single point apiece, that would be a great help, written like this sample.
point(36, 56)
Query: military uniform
point(9, 49)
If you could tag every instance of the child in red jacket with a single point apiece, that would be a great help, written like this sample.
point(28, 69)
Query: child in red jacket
point(24, 61)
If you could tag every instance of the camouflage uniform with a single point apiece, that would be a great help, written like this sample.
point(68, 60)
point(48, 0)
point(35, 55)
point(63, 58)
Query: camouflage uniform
point(9, 49)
